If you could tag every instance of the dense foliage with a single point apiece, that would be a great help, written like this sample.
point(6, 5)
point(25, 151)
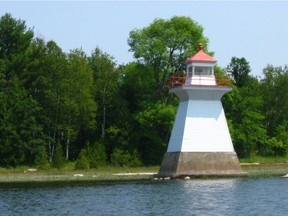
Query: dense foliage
point(57, 106)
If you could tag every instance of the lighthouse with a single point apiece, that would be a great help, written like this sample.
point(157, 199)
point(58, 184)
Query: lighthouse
point(200, 142)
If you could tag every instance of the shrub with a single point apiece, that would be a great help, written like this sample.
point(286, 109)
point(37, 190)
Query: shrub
point(41, 158)
point(91, 156)
point(273, 147)
point(58, 158)
point(82, 161)
point(123, 158)
point(96, 154)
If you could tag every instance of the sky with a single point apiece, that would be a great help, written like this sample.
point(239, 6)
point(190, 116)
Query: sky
point(255, 30)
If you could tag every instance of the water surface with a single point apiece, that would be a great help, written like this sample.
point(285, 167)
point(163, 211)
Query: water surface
point(244, 196)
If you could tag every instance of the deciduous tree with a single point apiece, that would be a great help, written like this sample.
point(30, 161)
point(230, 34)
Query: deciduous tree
point(164, 45)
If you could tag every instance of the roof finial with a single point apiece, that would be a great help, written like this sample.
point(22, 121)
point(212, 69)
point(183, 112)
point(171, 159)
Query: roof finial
point(200, 46)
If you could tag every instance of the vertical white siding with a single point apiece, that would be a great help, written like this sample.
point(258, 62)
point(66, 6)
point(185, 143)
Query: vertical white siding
point(200, 125)
point(177, 135)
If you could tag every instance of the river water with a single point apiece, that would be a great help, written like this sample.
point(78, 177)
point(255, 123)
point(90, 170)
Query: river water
point(244, 196)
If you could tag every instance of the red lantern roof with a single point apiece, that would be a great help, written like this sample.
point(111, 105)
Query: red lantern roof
point(200, 56)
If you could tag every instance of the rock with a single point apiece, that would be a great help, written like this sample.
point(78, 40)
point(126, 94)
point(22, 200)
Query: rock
point(285, 176)
point(249, 164)
point(78, 175)
point(31, 170)
point(187, 178)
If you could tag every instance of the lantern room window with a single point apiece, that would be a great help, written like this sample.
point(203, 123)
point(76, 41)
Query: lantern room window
point(190, 72)
point(202, 70)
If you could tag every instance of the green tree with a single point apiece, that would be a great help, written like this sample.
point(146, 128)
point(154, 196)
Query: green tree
point(274, 88)
point(164, 45)
point(240, 69)
point(106, 79)
point(138, 87)
point(63, 85)
point(15, 40)
point(78, 101)
point(243, 108)
point(282, 135)
point(113, 118)
point(47, 75)
point(21, 133)
point(154, 127)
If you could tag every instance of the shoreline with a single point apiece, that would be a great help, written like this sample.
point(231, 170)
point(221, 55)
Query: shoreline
point(109, 174)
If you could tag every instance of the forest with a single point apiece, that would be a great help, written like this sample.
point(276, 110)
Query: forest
point(57, 107)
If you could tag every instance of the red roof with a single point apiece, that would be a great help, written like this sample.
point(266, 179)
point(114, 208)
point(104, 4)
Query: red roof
point(200, 56)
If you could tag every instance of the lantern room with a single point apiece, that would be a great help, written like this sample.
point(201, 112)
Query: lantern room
point(200, 68)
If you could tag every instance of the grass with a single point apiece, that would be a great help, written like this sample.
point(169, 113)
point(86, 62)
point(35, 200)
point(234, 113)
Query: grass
point(20, 175)
point(264, 167)
point(266, 170)
point(257, 159)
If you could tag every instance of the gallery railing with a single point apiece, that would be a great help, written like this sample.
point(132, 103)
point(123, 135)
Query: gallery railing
point(176, 81)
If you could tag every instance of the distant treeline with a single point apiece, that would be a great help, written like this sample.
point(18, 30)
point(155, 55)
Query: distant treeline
point(57, 106)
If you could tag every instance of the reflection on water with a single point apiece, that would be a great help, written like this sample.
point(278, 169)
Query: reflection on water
point(247, 196)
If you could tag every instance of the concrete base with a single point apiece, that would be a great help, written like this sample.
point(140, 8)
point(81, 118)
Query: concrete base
point(197, 164)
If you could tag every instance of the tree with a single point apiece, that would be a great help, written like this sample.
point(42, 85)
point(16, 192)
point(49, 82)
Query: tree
point(63, 85)
point(138, 86)
point(282, 135)
point(47, 75)
point(106, 79)
point(240, 69)
point(21, 134)
point(78, 100)
point(243, 108)
point(15, 40)
point(113, 118)
point(155, 123)
point(274, 88)
point(164, 45)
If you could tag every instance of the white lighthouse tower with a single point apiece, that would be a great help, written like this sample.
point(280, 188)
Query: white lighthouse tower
point(200, 142)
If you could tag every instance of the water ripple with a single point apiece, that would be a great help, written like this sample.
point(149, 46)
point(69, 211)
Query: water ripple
point(260, 196)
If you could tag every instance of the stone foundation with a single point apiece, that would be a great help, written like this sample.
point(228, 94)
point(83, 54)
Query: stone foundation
point(197, 164)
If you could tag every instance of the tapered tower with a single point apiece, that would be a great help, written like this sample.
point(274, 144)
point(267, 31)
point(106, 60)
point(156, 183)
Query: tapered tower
point(200, 142)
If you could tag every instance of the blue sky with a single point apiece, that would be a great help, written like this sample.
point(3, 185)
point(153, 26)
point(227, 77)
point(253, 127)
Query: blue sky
point(256, 30)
